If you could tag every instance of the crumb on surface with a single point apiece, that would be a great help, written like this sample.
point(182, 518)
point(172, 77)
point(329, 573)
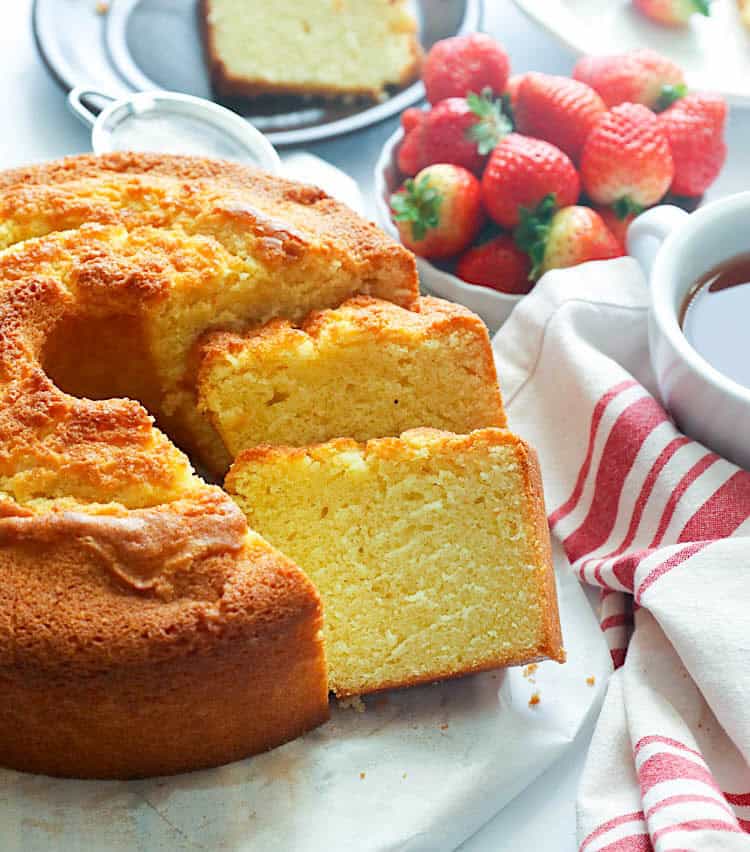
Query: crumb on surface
point(591, 680)
point(444, 726)
point(530, 669)
point(534, 700)
point(102, 7)
point(404, 775)
point(354, 702)
point(362, 775)
point(563, 655)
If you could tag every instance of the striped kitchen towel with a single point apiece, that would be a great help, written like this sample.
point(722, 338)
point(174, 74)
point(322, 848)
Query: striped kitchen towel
point(661, 525)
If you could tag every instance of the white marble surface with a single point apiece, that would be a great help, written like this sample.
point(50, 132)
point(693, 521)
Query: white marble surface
point(36, 125)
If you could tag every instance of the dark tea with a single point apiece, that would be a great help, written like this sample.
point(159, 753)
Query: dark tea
point(715, 318)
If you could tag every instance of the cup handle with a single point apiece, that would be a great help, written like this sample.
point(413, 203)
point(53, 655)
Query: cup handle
point(647, 233)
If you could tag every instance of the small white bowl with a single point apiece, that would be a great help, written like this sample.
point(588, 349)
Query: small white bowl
point(492, 306)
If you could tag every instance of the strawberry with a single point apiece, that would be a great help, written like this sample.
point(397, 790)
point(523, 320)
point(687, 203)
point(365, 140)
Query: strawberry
point(462, 64)
point(463, 131)
point(439, 212)
point(557, 239)
point(639, 77)
point(511, 92)
point(672, 13)
point(626, 159)
point(558, 110)
point(695, 129)
point(520, 172)
point(409, 157)
point(617, 225)
point(412, 118)
point(498, 264)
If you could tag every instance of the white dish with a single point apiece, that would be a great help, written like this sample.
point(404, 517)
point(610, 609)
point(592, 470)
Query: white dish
point(713, 51)
point(492, 306)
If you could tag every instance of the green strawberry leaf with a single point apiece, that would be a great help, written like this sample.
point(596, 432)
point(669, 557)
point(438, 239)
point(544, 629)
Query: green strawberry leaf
point(493, 123)
point(623, 207)
point(533, 230)
point(668, 95)
point(418, 203)
point(702, 7)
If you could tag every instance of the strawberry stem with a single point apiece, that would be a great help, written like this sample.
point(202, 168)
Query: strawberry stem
point(668, 95)
point(702, 7)
point(624, 207)
point(417, 202)
point(533, 230)
point(493, 124)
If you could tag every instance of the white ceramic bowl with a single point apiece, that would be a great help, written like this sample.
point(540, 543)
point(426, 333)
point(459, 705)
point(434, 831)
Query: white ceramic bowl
point(492, 306)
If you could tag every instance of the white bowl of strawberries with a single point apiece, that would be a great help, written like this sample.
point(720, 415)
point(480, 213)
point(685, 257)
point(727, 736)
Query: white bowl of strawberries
point(502, 178)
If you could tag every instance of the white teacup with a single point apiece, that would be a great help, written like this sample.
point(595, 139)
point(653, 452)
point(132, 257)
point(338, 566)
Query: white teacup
point(675, 250)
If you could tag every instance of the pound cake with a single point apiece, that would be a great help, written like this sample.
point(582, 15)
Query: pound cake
point(145, 629)
point(367, 369)
point(197, 244)
point(431, 551)
point(310, 47)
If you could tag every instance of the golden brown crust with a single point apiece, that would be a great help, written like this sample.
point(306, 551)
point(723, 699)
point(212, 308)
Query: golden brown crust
point(201, 196)
point(226, 84)
point(551, 646)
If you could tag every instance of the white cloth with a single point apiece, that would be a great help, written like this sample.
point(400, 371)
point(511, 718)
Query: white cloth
point(661, 525)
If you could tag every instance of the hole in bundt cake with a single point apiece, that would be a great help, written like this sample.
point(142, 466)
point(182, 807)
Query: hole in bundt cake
point(96, 358)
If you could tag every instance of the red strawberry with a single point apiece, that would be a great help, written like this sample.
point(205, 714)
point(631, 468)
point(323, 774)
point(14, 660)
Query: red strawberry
point(463, 131)
point(511, 91)
point(695, 130)
point(498, 264)
point(557, 109)
point(409, 158)
point(462, 64)
point(521, 171)
point(412, 118)
point(640, 77)
point(618, 226)
point(439, 212)
point(626, 159)
point(556, 240)
point(672, 13)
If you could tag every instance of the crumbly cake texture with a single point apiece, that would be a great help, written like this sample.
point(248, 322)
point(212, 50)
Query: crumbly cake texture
point(431, 551)
point(193, 245)
point(328, 48)
point(366, 369)
point(745, 12)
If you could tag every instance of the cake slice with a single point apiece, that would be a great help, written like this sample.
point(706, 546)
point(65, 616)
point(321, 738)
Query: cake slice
point(431, 551)
point(367, 369)
point(316, 47)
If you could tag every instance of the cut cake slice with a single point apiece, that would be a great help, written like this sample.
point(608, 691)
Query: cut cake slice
point(431, 551)
point(367, 369)
point(316, 47)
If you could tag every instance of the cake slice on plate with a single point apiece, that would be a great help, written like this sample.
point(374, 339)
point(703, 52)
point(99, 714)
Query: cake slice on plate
point(430, 551)
point(310, 47)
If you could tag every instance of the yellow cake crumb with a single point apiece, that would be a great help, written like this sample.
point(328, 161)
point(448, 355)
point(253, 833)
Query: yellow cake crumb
point(366, 369)
point(591, 680)
point(430, 551)
point(535, 699)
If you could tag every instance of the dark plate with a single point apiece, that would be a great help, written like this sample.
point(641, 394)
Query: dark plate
point(155, 44)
